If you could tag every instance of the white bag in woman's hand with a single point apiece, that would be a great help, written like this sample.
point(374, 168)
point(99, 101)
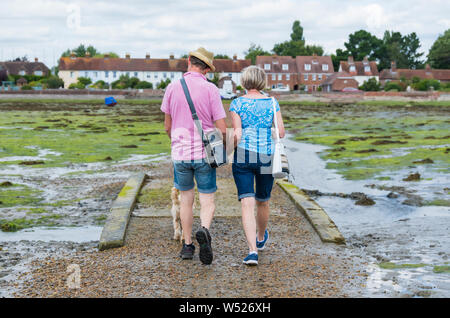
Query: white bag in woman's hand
point(280, 167)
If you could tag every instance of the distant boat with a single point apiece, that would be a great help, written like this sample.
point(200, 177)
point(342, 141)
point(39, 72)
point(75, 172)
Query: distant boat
point(110, 101)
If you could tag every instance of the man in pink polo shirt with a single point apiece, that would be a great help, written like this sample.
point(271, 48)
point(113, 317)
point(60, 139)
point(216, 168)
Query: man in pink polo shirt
point(187, 148)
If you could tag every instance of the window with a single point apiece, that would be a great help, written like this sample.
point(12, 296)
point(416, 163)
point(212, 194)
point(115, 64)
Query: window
point(230, 75)
point(164, 75)
point(305, 76)
point(23, 72)
point(38, 73)
point(148, 75)
point(106, 74)
point(267, 66)
point(274, 77)
point(367, 69)
point(114, 74)
point(127, 73)
point(172, 75)
point(156, 75)
point(288, 77)
point(352, 68)
point(71, 74)
point(307, 67)
point(273, 86)
point(285, 67)
point(135, 74)
point(320, 77)
point(86, 74)
point(280, 77)
point(314, 77)
point(324, 67)
point(95, 74)
point(306, 88)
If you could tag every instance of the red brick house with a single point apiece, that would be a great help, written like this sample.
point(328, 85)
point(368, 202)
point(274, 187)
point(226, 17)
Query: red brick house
point(294, 73)
point(313, 71)
point(281, 71)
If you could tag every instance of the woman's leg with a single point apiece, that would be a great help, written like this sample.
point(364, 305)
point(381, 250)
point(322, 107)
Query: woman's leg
point(262, 218)
point(249, 222)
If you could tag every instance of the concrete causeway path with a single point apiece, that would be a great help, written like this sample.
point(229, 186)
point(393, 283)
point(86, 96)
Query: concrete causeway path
point(296, 262)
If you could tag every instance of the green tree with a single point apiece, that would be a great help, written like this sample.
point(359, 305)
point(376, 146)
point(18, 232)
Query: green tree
point(296, 45)
point(361, 44)
point(144, 85)
point(254, 51)
point(371, 85)
point(340, 55)
point(81, 50)
point(439, 55)
point(222, 56)
point(401, 49)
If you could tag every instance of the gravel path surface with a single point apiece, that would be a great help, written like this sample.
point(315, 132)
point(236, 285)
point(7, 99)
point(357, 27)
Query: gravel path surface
point(295, 264)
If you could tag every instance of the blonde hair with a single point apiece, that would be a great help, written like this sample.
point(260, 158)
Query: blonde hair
point(253, 77)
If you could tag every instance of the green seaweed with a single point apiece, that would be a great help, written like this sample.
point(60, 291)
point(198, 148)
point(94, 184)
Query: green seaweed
point(390, 265)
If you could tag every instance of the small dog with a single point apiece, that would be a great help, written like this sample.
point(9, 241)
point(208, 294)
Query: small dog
point(178, 231)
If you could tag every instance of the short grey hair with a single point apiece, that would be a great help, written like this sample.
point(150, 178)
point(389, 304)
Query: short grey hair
point(253, 77)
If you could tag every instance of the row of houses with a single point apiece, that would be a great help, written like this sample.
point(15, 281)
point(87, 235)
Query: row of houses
point(309, 73)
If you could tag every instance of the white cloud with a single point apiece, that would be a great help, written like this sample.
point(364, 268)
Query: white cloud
point(40, 27)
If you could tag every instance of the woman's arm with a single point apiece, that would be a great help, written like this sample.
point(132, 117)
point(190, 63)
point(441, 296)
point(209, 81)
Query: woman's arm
point(280, 124)
point(237, 128)
point(168, 125)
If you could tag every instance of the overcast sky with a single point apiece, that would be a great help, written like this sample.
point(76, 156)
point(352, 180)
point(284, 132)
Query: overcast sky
point(46, 28)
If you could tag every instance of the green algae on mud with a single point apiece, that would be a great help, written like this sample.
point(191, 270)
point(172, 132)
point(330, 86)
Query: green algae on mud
point(441, 269)
point(366, 143)
point(390, 265)
point(19, 195)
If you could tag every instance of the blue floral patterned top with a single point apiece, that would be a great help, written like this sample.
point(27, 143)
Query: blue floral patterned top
point(257, 118)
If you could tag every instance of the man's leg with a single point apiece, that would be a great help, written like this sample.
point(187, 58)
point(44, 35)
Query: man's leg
point(186, 214)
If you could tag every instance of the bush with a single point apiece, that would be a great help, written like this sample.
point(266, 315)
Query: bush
point(144, 85)
point(84, 80)
point(394, 86)
point(76, 86)
point(26, 87)
point(427, 84)
point(54, 82)
point(163, 84)
point(100, 85)
point(371, 85)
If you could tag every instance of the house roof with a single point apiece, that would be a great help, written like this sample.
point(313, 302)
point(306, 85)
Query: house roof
point(143, 64)
point(276, 63)
point(359, 66)
point(427, 73)
point(340, 75)
point(316, 63)
point(29, 67)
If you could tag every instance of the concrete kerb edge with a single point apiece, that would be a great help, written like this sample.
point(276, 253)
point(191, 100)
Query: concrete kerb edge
point(114, 231)
point(317, 217)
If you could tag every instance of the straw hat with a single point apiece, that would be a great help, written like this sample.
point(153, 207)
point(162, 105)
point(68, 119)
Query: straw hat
point(205, 56)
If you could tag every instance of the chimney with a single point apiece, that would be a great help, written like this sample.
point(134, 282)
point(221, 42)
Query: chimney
point(428, 67)
point(36, 59)
point(235, 57)
point(366, 60)
point(350, 60)
point(393, 66)
point(127, 56)
point(147, 56)
point(172, 56)
point(72, 55)
point(106, 55)
point(88, 54)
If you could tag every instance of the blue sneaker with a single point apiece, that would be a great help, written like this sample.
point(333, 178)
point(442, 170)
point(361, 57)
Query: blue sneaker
point(251, 259)
point(262, 245)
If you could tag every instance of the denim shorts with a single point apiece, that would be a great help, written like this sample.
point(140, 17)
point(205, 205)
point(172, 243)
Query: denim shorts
point(185, 171)
point(250, 168)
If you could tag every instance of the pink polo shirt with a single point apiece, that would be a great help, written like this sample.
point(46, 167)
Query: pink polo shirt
point(186, 142)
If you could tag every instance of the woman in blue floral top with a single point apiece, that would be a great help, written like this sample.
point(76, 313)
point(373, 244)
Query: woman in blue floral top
point(252, 116)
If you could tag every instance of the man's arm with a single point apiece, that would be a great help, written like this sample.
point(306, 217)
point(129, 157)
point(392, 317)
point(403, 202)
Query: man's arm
point(168, 125)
